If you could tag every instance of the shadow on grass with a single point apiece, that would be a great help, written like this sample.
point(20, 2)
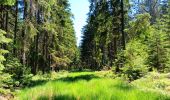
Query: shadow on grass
point(69, 79)
point(77, 78)
point(82, 70)
point(123, 86)
point(58, 97)
point(36, 83)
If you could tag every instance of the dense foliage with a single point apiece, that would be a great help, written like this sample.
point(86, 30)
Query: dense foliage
point(129, 37)
point(41, 37)
point(133, 39)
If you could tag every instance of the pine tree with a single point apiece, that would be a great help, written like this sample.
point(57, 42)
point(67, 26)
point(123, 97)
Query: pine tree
point(3, 40)
point(42, 33)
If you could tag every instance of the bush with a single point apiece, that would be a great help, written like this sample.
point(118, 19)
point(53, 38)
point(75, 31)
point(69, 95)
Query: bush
point(14, 68)
point(136, 56)
point(20, 74)
point(154, 80)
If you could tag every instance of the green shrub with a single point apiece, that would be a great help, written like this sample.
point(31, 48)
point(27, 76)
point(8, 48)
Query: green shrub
point(20, 74)
point(14, 67)
point(4, 77)
point(136, 56)
point(156, 81)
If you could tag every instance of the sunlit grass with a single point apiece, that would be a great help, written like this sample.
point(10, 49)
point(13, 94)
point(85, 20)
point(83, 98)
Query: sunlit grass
point(87, 86)
point(155, 81)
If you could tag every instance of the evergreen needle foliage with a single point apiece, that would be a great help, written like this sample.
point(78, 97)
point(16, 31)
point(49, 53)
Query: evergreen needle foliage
point(130, 38)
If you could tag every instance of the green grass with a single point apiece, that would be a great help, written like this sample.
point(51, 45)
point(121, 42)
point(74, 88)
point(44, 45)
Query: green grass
point(86, 86)
point(155, 81)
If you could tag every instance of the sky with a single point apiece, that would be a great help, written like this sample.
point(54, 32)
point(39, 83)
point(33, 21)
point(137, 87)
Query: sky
point(79, 8)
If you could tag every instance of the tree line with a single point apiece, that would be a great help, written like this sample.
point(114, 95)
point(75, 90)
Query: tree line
point(35, 35)
point(131, 36)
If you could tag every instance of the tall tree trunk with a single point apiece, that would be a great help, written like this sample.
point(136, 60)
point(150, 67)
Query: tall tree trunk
point(1, 12)
point(15, 28)
point(112, 51)
point(122, 25)
point(47, 52)
point(43, 53)
point(2, 17)
point(36, 55)
point(6, 22)
point(30, 10)
point(23, 34)
point(6, 26)
point(35, 67)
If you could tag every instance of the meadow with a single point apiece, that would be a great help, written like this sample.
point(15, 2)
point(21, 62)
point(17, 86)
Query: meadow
point(86, 86)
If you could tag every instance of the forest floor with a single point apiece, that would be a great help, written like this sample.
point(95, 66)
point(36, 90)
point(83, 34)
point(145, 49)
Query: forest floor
point(101, 85)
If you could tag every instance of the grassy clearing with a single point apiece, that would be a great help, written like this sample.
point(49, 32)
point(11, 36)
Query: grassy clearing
point(87, 86)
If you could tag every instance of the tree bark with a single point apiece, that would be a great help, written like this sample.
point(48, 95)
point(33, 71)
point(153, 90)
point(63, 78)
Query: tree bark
point(23, 34)
point(122, 25)
point(15, 28)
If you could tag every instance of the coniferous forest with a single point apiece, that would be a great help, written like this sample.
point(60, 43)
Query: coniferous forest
point(124, 53)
